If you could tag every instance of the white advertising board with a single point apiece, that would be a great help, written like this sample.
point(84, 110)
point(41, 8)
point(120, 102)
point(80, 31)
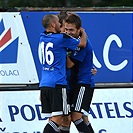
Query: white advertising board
point(111, 111)
point(16, 61)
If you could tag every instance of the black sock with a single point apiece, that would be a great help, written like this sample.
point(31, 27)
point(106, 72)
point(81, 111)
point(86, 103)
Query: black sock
point(51, 127)
point(90, 127)
point(64, 129)
point(81, 126)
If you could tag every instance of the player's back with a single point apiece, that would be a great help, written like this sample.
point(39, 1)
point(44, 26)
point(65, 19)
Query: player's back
point(53, 47)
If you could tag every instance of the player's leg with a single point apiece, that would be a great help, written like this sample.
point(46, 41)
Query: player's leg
point(77, 95)
point(54, 105)
point(60, 104)
point(46, 109)
point(87, 122)
point(65, 126)
point(79, 123)
point(52, 127)
point(88, 96)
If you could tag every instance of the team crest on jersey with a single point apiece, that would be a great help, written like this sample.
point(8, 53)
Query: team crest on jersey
point(76, 51)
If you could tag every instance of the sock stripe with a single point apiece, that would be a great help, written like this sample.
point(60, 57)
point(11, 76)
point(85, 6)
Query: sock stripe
point(88, 123)
point(52, 124)
point(78, 121)
point(63, 128)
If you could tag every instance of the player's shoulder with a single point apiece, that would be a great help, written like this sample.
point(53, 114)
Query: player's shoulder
point(50, 34)
point(66, 35)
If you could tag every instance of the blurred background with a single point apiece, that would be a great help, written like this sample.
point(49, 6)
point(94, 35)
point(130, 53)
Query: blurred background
point(4, 4)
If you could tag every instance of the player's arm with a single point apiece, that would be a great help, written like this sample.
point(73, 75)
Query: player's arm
point(83, 38)
point(71, 62)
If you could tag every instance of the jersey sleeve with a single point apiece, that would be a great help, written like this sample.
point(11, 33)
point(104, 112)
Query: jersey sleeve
point(79, 55)
point(70, 42)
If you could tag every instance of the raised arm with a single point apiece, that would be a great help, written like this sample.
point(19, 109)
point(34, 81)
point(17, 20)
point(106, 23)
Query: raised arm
point(83, 38)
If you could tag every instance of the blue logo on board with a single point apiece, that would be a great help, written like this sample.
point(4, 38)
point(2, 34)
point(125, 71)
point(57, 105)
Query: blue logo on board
point(8, 53)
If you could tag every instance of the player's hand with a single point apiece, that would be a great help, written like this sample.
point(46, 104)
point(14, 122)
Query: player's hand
point(94, 70)
point(82, 32)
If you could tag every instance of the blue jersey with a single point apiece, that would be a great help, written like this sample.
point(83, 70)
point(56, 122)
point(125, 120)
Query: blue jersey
point(53, 49)
point(83, 60)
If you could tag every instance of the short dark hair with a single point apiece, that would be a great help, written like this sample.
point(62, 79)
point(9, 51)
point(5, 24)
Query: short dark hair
point(74, 19)
point(47, 19)
point(62, 16)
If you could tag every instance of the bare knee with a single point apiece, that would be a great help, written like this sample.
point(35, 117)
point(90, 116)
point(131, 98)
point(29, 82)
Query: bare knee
point(66, 121)
point(57, 119)
point(76, 116)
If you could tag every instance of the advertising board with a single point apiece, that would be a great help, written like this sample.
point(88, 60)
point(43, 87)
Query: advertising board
point(110, 34)
point(111, 111)
point(16, 61)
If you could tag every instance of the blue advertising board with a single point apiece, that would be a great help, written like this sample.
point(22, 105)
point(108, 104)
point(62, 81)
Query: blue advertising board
point(132, 47)
point(111, 35)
